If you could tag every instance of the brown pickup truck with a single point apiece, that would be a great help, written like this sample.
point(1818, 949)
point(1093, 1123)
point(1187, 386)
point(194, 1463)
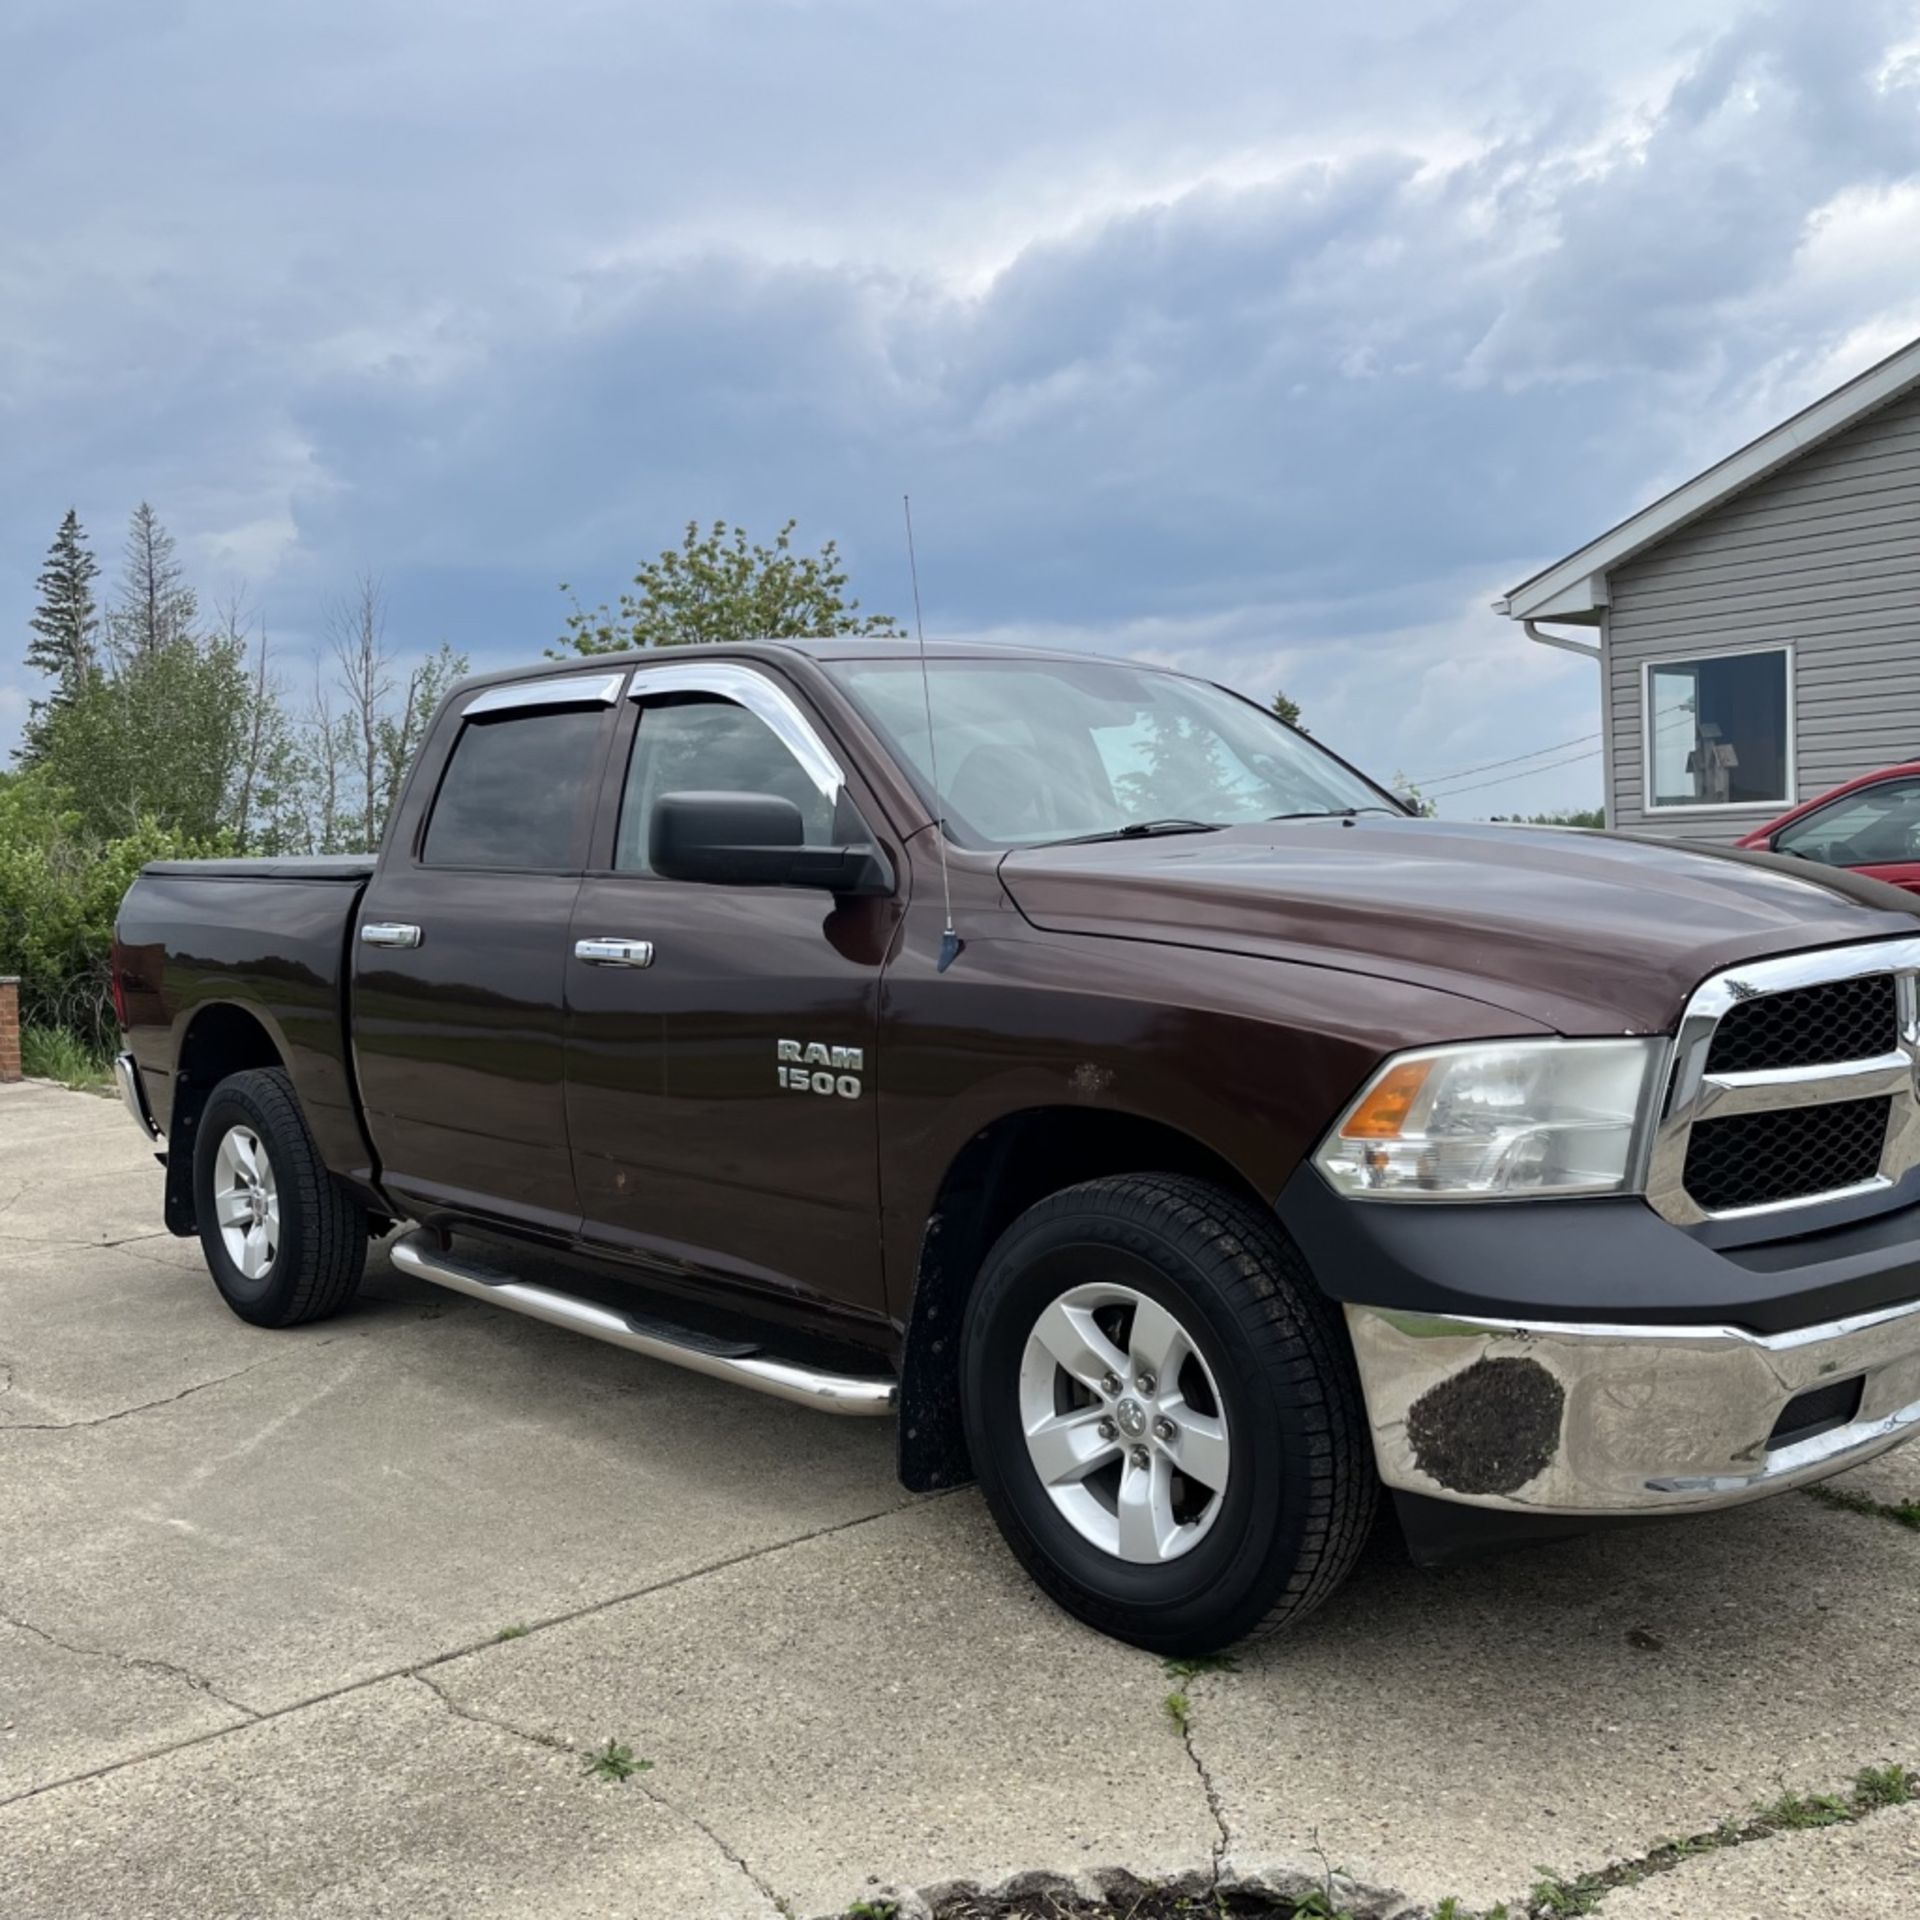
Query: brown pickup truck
point(1069, 1056)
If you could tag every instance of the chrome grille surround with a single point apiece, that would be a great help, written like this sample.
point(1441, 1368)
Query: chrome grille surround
point(1693, 1094)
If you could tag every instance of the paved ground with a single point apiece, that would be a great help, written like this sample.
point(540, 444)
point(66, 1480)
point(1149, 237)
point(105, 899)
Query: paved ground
point(251, 1586)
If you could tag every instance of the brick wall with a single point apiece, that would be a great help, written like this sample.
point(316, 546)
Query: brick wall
point(9, 1029)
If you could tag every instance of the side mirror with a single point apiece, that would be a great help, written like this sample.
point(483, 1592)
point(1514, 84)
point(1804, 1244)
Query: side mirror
point(754, 840)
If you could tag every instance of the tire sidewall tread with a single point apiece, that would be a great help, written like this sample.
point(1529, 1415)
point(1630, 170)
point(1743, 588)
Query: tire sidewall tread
point(1303, 1491)
point(323, 1229)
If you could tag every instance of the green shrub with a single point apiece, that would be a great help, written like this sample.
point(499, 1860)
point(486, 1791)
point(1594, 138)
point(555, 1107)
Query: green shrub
point(60, 887)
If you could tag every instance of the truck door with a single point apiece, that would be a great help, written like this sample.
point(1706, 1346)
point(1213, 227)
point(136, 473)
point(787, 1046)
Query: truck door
point(720, 1061)
point(460, 956)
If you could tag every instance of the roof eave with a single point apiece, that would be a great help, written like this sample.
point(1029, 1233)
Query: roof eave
point(1575, 589)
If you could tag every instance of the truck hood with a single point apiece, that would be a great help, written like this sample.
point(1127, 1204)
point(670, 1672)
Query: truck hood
point(1582, 932)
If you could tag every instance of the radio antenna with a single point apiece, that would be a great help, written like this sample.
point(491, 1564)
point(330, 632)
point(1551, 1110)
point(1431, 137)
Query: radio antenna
point(949, 940)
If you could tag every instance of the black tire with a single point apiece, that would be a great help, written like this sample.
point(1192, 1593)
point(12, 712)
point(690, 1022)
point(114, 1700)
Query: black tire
point(1301, 1489)
point(322, 1248)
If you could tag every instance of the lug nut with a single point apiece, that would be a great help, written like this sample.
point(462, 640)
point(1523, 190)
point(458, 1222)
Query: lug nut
point(1139, 1456)
point(1110, 1383)
point(1145, 1383)
point(1107, 1430)
point(1164, 1430)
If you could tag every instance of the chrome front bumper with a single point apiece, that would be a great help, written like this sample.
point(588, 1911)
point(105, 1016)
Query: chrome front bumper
point(1573, 1418)
point(126, 1074)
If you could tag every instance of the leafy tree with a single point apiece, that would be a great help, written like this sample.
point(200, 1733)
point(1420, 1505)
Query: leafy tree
point(1403, 789)
point(162, 738)
point(1288, 710)
point(156, 608)
point(1592, 817)
point(717, 586)
point(398, 734)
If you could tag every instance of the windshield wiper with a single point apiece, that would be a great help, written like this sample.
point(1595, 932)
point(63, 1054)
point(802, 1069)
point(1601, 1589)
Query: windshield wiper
point(1336, 813)
point(1141, 830)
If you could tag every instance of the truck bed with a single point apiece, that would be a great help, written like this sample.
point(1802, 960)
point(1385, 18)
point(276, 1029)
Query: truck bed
point(267, 938)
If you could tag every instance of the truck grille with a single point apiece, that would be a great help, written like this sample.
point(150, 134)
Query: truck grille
point(1841, 1020)
point(1793, 1082)
point(1756, 1159)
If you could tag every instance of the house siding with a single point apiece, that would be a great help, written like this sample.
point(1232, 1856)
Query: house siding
point(1823, 556)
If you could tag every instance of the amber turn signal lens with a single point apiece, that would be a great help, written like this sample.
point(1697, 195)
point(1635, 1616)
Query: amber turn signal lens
point(1383, 1112)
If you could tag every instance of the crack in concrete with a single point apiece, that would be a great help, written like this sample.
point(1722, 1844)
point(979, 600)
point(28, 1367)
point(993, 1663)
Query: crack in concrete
point(145, 1406)
point(138, 1662)
point(286, 1357)
point(418, 1669)
point(1224, 1842)
point(1874, 1790)
point(553, 1743)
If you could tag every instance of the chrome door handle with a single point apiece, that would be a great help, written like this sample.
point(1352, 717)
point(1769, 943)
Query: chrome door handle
point(389, 933)
point(609, 952)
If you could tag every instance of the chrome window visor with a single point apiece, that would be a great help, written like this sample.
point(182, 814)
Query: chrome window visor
point(563, 690)
point(761, 698)
point(1694, 1094)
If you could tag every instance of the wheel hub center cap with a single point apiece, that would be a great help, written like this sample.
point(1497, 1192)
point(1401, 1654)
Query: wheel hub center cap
point(1131, 1418)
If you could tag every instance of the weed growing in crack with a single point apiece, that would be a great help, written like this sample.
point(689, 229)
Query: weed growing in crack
point(1185, 1670)
point(873, 1910)
point(1903, 1513)
point(514, 1632)
point(1177, 1706)
point(1796, 1812)
point(1557, 1899)
point(1877, 1787)
point(615, 1761)
point(1874, 1788)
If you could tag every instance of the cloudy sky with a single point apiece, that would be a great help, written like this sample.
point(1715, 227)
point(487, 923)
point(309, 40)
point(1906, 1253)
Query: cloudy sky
point(1268, 339)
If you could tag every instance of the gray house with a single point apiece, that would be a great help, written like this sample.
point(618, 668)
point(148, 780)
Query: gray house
point(1758, 629)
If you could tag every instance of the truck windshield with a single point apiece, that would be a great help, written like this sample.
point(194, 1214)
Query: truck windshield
point(1033, 751)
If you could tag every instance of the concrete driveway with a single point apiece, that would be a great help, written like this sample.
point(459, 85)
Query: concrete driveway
point(323, 1622)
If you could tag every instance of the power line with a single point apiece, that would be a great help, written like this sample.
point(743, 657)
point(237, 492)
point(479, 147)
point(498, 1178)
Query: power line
point(1460, 773)
point(1507, 779)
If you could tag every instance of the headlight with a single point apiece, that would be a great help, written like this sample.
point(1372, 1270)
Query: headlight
point(1489, 1121)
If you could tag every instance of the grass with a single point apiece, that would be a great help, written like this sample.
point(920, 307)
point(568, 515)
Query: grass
point(54, 1053)
point(615, 1762)
point(514, 1632)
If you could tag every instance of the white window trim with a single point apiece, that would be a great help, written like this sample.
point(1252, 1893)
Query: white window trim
point(1663, 810)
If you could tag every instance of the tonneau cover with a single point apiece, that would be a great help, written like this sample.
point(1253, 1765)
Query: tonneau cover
point(321, 866)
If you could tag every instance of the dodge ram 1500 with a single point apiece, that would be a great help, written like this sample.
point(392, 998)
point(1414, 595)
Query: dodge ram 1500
point(1184, 1141)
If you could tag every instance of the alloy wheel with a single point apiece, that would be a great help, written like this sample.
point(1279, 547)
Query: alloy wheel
point(246, 1202)
point(1124, 1423)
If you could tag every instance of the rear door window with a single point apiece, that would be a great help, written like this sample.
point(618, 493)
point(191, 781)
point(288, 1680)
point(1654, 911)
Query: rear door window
point(515, 793)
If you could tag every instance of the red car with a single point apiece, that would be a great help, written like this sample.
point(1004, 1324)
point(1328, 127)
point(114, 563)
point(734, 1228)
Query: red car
point(1871, 825)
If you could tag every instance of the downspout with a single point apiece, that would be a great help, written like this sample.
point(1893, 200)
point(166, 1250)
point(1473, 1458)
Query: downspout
point(1588, 651)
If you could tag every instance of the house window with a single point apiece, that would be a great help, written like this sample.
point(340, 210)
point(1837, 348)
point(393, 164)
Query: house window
point(1718, 730)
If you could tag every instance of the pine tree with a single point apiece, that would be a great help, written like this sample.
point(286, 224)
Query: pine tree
point(66, 626)
point(157, 608)
point(66, 622)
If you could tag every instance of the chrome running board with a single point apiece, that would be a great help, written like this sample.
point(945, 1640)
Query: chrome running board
point(416, 1253)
